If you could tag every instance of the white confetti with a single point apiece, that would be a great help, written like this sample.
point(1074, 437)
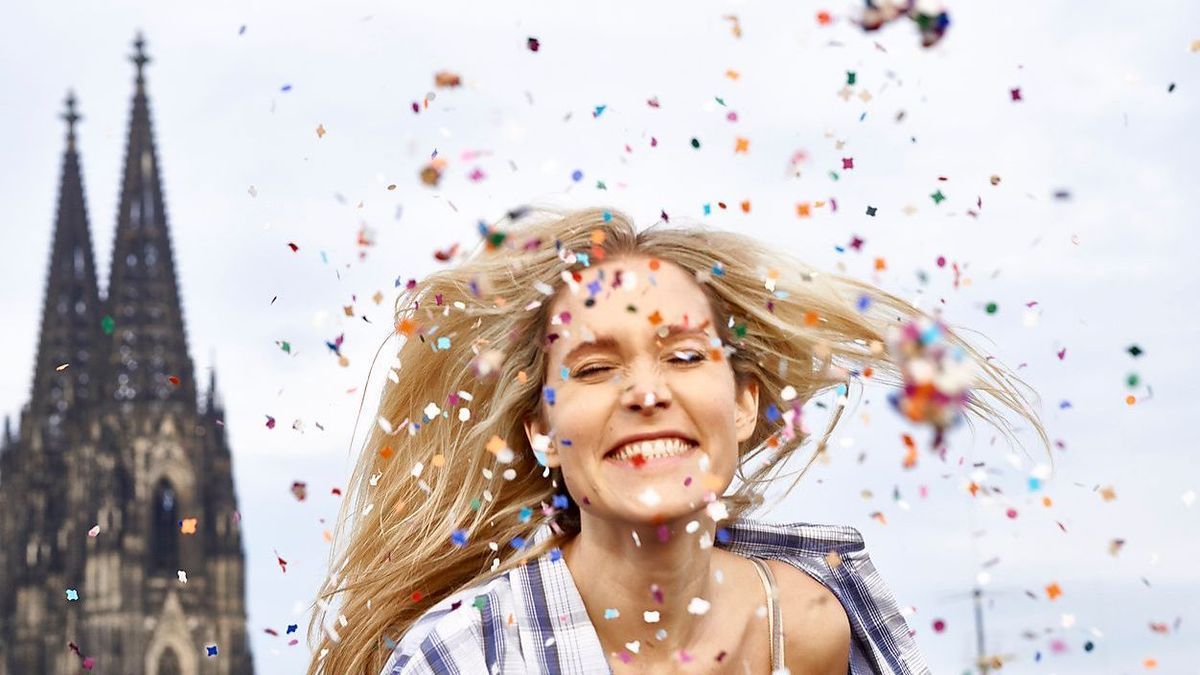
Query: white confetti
point(717, 511)
point(699, 606)
point(650, 617)
point(649, 497)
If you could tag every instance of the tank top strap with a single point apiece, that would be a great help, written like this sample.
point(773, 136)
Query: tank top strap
point(774, 613)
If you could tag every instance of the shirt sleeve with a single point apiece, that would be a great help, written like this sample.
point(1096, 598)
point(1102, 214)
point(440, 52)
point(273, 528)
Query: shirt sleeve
point(879, 623)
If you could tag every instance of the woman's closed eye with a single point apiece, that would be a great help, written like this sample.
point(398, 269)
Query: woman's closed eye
point(682, 356)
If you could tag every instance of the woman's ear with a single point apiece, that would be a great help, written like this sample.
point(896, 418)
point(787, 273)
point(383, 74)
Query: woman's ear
point(746, 417)
point(545, 450)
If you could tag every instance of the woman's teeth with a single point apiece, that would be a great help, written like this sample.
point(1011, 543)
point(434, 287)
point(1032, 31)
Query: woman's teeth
point(651, 449)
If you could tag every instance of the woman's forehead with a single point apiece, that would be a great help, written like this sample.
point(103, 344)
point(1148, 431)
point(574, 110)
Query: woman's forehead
point(643, 301)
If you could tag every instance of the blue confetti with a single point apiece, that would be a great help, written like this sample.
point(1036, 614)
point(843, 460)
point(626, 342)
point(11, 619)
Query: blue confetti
point(443, 342)
point(525, 514)
point(212, 650)
point(555, 554)
point(518, 542)
point(459, 537)
point(286, 87)
point(559, 501)
point(772, 413)
point(864, 301)
point(548, 394)
point(576, 175)
point(722, 535)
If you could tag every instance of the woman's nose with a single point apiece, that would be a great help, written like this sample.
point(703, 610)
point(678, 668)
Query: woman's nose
point(645, 393)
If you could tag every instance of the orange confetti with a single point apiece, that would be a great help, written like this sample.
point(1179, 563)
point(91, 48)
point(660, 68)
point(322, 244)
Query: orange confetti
point(654, 265)
point(495, 444)
point(910, 456)
point(868, 371)
point(406, 326)
point(746, 206)
point(1130, 399)
point(598, 236)
point(823, 18)
point(1150, 663)
point(386, 452)
point(655, 318)
point(811, 318)
point(880, 264)
point(1053, 591)
point(803, 209)
point(1047, 502)
point(1109, 493)
point(320, 131)
point(743, 145)
point(188, 526)
point(732, 74)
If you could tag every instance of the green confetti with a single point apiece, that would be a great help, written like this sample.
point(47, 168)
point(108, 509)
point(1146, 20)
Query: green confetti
point(991, 308)
point(1132, 380)
point(938, 197)
point(1134, 351)
point(696, 143)
point(107, 324)
point(851, 76)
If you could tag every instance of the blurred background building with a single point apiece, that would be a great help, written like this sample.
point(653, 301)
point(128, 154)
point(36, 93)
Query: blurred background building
point(120, 545)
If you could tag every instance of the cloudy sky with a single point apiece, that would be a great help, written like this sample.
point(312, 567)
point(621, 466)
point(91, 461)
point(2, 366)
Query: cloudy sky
point(1090, 220)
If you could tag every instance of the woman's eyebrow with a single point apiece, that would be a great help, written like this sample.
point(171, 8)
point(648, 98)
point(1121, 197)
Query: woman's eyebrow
point(604, 342)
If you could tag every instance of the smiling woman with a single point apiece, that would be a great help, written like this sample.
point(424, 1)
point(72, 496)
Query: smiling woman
point(575, 514)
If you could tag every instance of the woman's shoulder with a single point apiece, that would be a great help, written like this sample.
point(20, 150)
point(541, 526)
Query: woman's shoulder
point(455, 633)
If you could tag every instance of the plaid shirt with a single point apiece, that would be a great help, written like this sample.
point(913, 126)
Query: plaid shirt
point(533, 620)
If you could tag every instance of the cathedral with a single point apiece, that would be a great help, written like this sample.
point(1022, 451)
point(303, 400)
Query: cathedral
point(120, 542)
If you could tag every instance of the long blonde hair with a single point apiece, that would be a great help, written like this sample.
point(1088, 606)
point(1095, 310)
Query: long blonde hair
point(471, 371)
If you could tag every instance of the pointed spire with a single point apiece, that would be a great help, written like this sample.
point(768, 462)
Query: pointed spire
point(139, 58)
point(71, 116)
point(149, 358)
point(212, 399)
point(67, 370)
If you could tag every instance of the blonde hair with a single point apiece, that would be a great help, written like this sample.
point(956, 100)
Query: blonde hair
point(429, 469)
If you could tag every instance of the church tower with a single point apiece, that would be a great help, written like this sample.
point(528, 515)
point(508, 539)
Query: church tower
point(120, 539)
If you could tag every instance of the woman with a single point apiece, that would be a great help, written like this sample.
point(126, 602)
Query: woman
point(545, 490)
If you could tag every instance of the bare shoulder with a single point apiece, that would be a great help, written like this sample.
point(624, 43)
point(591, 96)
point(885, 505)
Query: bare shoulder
point(816, 627)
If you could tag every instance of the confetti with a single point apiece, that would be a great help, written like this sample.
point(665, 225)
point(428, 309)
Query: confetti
point(936, 375)
point(932, 25)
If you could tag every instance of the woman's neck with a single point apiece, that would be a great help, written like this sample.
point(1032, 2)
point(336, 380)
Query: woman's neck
point(614, 570)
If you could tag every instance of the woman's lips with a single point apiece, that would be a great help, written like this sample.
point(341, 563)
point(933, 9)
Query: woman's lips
point(641, 462)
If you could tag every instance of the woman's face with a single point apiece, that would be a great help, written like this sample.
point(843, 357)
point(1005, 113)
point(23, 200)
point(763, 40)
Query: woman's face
point(644, 358)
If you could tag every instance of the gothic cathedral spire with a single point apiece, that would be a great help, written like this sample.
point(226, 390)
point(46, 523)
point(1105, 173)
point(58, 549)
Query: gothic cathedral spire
point(70, 354)
point(149, 358)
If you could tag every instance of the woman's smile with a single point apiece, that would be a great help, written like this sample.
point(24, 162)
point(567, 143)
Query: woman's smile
point(639, 461)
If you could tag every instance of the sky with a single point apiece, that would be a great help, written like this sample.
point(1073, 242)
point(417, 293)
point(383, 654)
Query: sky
point(282, 123)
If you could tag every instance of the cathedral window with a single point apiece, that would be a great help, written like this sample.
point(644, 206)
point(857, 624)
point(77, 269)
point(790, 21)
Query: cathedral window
point(168, 663)
point(164, 538)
